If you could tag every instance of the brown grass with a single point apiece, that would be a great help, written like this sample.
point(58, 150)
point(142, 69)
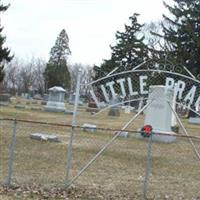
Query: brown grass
point(117, 174)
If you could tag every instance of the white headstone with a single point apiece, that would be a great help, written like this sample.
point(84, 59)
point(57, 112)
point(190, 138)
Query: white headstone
point(44, 137)
point(56, 100)
point(89, 127)
point(159, 113)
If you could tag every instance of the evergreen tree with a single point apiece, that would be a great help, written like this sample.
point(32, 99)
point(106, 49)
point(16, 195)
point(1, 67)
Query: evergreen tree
point(129, 50)
point(4, 52)
point(181, 34)
point(106, 67)
point(56, 72)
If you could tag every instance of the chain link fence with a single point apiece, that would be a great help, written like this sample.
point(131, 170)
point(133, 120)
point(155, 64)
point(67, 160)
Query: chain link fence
point(30, 161)
point(104, 150)
point(119, 170)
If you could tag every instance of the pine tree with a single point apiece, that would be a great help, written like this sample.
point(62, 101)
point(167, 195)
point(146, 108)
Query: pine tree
point(106, 67)
point(56, 72)
point(129, 50)
point(4, 52)
point(60, 51)
point(182, 34)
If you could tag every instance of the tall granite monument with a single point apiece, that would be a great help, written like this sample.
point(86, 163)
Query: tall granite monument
point(159, 113)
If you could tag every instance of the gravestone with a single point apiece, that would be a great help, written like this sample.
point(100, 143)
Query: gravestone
point(72, 99)
point(37, 97)
point(69, 112)
point(4, 99)
point(44, 99)
point(44, 137)
point(159, 113)
point(123, 134)
point(192, 114)
point(194, 118)
point(36, 108)
point(20, 106)
point(89, 127)
point(115, 109)
point(55, 101)
point(92, 104)
point(25, 95)
point(92, 107)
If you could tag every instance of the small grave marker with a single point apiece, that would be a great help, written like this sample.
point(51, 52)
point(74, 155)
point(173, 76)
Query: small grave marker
point(44, 137)
point(194, 118)
point(89, 127)
point(122, 134)
point(20, 106)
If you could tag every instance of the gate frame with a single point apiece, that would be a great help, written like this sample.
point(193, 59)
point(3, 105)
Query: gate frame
point(69, 182)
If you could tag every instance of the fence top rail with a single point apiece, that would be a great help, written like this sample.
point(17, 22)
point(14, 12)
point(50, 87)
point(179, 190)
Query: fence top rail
point(180, 135)
point(35, 122)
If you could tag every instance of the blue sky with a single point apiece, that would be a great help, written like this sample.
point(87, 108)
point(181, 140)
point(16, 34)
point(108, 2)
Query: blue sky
point(32, 26)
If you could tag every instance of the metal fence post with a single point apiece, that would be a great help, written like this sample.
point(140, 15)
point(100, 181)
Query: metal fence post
point(11, 155)
point(148, 166)
point(69, 151)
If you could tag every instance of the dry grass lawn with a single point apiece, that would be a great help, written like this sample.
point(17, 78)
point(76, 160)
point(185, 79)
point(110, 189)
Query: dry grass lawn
point(117, 174)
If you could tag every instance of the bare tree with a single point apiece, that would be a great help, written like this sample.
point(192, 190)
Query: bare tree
point(10, 82)
point(86, 76)
point(24, 76)
point(27, 77)
point(39, 69)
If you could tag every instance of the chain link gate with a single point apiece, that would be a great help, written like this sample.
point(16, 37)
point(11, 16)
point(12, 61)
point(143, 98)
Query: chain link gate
point(119, 161)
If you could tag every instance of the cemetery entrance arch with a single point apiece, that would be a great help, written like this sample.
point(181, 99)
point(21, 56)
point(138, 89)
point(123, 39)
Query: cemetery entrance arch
point(162, 92)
